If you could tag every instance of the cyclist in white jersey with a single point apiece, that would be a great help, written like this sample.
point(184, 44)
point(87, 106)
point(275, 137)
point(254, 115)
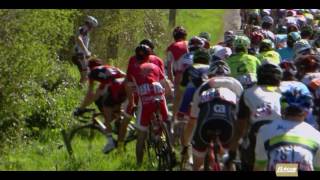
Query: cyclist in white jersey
point(258, 105)
point(289, 140)
point(82, 46)
point(228, 87)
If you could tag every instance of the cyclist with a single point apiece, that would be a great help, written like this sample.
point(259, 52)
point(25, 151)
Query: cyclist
point(192, 78)
point(255, 37)
point(290, 83)
point(142, 53)
point(150, 84)
point(108, 96)
point(302, 47)
point(217, 96)
point(267, 52)
point(258, 106)
point(174, 53)
point(287, 53)
point(220, 53)
point(307, 32)
point(267, 25)
point(243, 66)
point(289, 140)
point(82, 46)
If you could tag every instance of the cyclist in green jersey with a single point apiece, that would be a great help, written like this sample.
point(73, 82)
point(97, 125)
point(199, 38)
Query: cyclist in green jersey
point(267, 52)
point(243, 65)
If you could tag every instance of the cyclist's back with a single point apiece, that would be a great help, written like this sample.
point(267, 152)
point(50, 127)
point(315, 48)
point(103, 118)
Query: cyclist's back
point(297, 142)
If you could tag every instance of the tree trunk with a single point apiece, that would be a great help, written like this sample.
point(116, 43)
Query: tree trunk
point(172, 17)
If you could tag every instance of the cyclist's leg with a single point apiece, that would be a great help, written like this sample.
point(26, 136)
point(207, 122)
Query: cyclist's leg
point(144, 115)
point(199, 151)
point(124, 124)
point(177, 94)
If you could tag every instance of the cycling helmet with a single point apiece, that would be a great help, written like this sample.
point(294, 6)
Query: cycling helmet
point(201, 56)
point(92, 63)
point(241, 42)
point(294, 101)
point(306, 30)
point(292, 27)
point(195, 43)
point(206, 43)
point(301, 46)
point(269, 74)
point(267, 19)
point(142, 51)
point(254, 18)
point(93, 21)
point(290, 13)
point(222, 52)
point(265, 12)
point(295, 36)
point(308, 63)
point(219, 68)
point(147, 42)
point(205, 35)
point(282, 30)
point(288, 68)
point(179, 33)
point(266, 45)
point(256, 37)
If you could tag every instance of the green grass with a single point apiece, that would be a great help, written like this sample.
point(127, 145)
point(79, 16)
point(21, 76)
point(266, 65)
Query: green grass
point(202, 20)
point(51, 155)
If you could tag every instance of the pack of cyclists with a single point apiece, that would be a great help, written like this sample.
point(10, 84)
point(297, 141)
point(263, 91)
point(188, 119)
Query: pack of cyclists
point(259, 90)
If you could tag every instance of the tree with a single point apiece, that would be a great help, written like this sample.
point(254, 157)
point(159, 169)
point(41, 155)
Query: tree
point(172, 17)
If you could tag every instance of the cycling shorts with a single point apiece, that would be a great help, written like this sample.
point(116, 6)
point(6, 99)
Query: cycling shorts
point(146, 112)
point(216, 115)
point(186, 100)
point(114, 95)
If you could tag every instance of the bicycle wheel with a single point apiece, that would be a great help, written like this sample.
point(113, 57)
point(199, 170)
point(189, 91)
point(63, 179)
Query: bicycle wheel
point(166, 155)
point(151, 151)
point(84, 140)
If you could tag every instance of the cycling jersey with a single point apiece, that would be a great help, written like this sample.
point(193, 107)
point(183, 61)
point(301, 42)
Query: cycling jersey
point(192, 78)
point(195, 74)
point(134, 66)
point(83, 31)
point(111, 82)
point(286, 53)
point(175, 52)
point(147, 79)
point(183, 63)
point(105, 74)
point(216, 82)
point(269, 35)
point(271, 56)
point(285, 141)
point(244, 67)
point(260, 103)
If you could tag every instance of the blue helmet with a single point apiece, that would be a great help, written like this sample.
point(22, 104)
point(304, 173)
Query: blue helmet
point(298, 98)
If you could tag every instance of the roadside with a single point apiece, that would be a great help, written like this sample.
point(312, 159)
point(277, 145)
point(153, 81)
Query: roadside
point(232, 20)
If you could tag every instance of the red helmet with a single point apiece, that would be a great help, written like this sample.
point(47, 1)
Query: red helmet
point(256, 37)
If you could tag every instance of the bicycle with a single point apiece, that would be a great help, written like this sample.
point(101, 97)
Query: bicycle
point(93, 126)
point(158, 143)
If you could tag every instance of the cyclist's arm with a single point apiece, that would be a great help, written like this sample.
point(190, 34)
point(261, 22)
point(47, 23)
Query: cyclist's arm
point(170, 65)
point(91, 96)
point(261, 158)
point(81, 44)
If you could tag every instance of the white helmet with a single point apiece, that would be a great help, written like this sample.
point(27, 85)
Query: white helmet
point(300, 46)
point(93, 21)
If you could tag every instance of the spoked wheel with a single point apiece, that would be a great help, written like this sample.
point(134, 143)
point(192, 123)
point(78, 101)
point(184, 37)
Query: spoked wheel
point(87, 137)
point(152, 155)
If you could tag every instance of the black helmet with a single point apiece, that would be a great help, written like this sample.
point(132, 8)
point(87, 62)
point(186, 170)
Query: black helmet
point(142, 51)
point(147, 42)
point(269, 74)
point(282, 30)
point(179, 33)
point(195, 43)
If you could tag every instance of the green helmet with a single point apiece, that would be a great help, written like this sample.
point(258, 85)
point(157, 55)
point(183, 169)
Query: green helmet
point(205, 35)
point(201, 56)
point(266, 44)
point(241, 42)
